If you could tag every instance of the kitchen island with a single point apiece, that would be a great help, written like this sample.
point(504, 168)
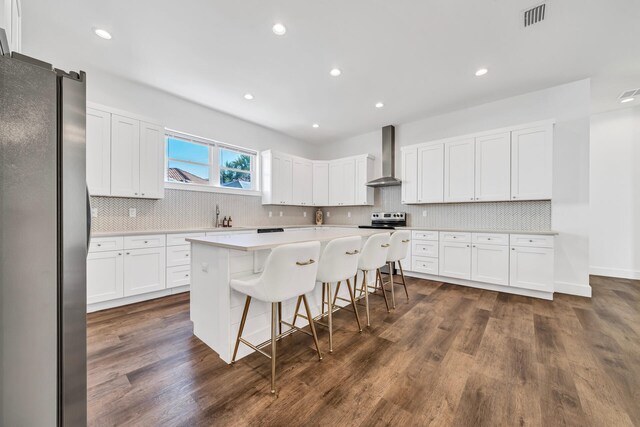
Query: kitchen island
point(216, 309)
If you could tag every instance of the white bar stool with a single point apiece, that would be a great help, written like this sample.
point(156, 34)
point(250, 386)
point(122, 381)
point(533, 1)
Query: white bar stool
point(397, 252)
point(373, 257)
point(290, 271)
point(338, 263)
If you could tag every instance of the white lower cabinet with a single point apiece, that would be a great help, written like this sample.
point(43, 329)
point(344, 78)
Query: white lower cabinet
point(105, 275)
point(532, 268)
point(455, 259)
point(144, 270)
point(178, 276)
point(490, 264)
point(178, 255)
point(425, 265)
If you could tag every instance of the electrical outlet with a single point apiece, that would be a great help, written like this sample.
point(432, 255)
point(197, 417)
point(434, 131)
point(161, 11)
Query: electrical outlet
point(94, 212)
point(348, 214)
point(205, 267)
point(424, 213)
point(304, 214)
point(133, 212)
point(328, 214)
point(270, 214)
point(280, 213)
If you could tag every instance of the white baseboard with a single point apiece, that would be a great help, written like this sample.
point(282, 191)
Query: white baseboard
point(615, 272)
point(135, 298)
point(576, 289)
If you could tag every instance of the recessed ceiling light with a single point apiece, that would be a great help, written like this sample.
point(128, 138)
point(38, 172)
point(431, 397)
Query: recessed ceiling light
point(335, 72)
point(279, 29)
point(248, 96)
point(315, 126)
point(102, 33)
point(379, 105)
point(481, 72)
point(625, 100)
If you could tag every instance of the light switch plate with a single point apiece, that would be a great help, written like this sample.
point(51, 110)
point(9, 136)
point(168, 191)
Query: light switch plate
point(304, 214)
point(328, 214)
point(94, 212)
point(205, 267)
point(133, 212)
point(424, 213)
point(270, 214)
point(348, 214)
point(280, 213)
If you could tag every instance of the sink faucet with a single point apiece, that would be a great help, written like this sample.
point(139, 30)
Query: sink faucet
point(217, 216)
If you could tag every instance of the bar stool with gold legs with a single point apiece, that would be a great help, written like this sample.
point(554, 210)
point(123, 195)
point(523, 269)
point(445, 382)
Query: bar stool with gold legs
point(399, 245)
point(289, 272)
point(338, 263)
point(373, 257)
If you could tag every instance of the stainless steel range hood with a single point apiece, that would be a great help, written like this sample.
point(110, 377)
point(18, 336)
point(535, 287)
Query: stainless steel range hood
point(388, 160)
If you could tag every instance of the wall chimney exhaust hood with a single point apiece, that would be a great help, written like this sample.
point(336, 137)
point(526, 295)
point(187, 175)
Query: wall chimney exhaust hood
point(388, 160)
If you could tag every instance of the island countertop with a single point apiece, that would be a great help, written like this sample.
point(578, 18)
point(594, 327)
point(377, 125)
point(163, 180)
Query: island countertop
point(256, 242)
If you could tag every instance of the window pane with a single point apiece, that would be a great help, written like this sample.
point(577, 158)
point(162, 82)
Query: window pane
point(187, 172)
point(234, 179)
point(189, 151)
point(235, 160)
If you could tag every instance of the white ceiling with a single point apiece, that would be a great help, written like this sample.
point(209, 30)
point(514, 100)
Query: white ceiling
point(416, 56)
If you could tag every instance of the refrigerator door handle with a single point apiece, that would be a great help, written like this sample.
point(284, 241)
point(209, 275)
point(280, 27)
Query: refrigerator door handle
point(88, 218)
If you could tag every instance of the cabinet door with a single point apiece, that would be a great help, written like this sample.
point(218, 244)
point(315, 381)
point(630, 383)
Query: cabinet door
point(431, 174)
point(409, 175)
point(490, 264)
point(531, 268)
point(363, 194)
point(125, 156)
point(336, 183)
point(105, 276)
point(531, 163)
point(282, 172)
point(320, 184)
point(459, 175)
point(98, 152)
point(349, 182)
point(302, 182)
point(493, 167)
point(455, 260)
point(144, 271)
point(151, 161)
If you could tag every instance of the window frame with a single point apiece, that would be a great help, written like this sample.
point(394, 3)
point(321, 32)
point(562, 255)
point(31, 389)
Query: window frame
point(214, 148)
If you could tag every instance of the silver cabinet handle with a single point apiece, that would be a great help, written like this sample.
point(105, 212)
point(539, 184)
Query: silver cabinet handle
point(513, 249)
point(186, 275)
point(352, 253)
point(119, 253)
point(99, 245)
point(467, 245)
point(145, 242)
point(128, 253)
point(406, 241)
point(186, 255)
point(530, 241)
point(386, 245)
point(305, 263)
point(143, 194)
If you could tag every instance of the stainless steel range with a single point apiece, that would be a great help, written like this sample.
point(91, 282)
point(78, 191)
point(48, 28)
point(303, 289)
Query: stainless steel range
point(387, 220)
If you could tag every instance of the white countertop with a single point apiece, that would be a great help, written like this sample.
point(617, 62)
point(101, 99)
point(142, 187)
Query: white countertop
point(255, 242)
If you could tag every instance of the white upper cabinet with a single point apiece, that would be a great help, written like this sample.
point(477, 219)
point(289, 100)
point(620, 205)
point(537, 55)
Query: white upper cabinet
point(125, 156)
point(342, 182)
point(11, 21)
point(151, 161)
point(459, 165)
point(531, 163)
point(364, 170)
point(409, 175)
point(335, 184)
point(302, 182)
point(98, 152)
point(431, 174)
point(320, 180)
point(493, 168)
point(282, 169)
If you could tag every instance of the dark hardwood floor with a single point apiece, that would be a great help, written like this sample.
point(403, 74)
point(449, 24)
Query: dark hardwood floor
point(451, 356)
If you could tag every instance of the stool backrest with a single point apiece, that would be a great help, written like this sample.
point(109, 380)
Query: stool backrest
point(339, 259)
point(400, 241)
point(374, 252)
point(290, 270)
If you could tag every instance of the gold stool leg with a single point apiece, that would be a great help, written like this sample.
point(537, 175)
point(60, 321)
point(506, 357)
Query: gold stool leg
point(335, 295)
point(311, 325)
point(393, 294)
point(279, 318)
point(324, 291)
point(242, 322)
point(404, 281)
point(353, 304)
point(384, 292)
point(330, 322)
point(295, 314)
point(274, 313)
point(366, 295)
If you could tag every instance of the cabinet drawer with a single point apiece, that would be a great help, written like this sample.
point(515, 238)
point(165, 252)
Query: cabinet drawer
point(424, 248)
point(101, 244)
point(178, 276)
point(532, 240)
point(490, 239)
point(178, 255)
point(455, 236)
point(179, 239)
point(424, 265)
point(425, 235)
point(139, 242)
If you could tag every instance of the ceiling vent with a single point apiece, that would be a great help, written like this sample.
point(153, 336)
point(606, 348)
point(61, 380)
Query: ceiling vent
point(534, 15)
point(630, 93)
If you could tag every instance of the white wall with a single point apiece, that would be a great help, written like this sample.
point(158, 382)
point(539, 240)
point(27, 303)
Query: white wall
point(569, 104)
point(615, 193)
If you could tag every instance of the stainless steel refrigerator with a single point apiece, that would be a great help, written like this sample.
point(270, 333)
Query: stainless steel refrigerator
point(44, 230)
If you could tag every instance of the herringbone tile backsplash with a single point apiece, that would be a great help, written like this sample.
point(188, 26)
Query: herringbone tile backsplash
point(190, 209)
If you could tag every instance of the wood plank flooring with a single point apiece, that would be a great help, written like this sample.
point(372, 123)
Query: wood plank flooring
point(450, 356)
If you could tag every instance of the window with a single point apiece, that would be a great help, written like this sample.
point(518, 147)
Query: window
point(205, 163)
